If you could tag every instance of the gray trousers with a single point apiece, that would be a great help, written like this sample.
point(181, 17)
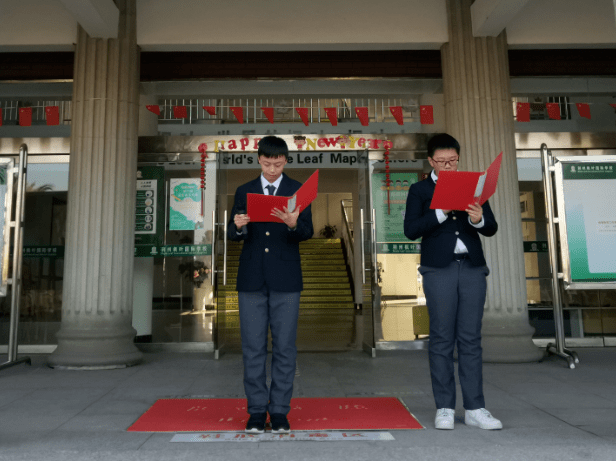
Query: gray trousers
point(279, 311)
point(455, 297)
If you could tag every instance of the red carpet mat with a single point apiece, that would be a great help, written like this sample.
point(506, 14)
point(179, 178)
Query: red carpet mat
point(307, 414)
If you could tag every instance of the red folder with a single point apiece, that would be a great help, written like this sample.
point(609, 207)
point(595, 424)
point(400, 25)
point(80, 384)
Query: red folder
point(260, 206)
point(456, 190)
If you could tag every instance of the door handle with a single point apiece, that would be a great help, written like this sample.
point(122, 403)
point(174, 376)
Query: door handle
point(224, 259)
point(214, 253)
point(361, 245)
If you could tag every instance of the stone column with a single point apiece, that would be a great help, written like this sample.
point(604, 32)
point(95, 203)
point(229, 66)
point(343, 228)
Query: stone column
point(479, 114)
point(96, 329)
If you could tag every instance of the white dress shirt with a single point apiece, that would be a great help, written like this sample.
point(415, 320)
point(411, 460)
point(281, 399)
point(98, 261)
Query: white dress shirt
point(265, 182)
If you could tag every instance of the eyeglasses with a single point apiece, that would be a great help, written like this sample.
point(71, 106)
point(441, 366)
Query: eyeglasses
point(446, 162)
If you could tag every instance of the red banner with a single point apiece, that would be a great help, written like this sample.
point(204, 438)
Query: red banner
point(583, 109)
point(25, 116)
point(426, 115)
point(180, 112)
point(303, 114)
point(52, 115)
point(269, 113)
point(0, 116)
point(153, 109)
point(553, 110)
point(396, 111)
point(239, 113)
point(522, 112)
point(362, 113)
point(210, 110)
point(332, 115)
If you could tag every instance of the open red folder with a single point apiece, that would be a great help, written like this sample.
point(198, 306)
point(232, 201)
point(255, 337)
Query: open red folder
point(260, 206)
point(456, 190)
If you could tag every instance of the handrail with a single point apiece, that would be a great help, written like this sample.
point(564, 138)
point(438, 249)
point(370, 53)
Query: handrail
point(349, 232)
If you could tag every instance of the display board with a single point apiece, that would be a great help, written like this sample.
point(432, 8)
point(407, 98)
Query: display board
point(585, 188)
point(6, 192)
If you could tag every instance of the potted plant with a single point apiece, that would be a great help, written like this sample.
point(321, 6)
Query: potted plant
point(328, 231)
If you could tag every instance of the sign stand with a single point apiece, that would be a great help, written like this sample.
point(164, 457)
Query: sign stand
point(17, 244)
point(559, 349)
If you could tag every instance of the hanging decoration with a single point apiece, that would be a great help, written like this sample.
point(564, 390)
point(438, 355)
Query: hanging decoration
point(180, 112)
point(303, 114)
point(210, 110)
point(269, 113)
point(553, 110)
point(332, 115)
point(0, 116)
point(583, 109)
point(203, 149)
point(155, 109)
point(25, 116)
point(387, 180)
point(362, 113)
point(613, 106)
point(522, 112)
point(426, 115)
point(52, 115)
point(239, 113)
point(396, 111)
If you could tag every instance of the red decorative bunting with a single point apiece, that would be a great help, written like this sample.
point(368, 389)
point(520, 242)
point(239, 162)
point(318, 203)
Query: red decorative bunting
point(303, 114)
point(180, 112)
point(553, 110)
point(396, 111)
point(583, 109)
point(0, 116)
point(25, 116)
point(210, 110)
point(332, 115)
point(522, 112)
point(613, 106)
point(52, 114)
point(153, 109)
point(239, 113)
point(269, 113)
point(362, 113)
point(426, 115)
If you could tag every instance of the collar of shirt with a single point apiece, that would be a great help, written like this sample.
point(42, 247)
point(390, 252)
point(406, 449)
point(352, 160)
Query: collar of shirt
point(434, 176)
point(265, 182)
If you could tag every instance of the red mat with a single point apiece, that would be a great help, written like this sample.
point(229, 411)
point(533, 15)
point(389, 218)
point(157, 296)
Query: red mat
point(307, 414)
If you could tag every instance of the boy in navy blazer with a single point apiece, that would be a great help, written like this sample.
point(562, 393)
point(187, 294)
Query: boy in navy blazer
point(454, 274)
point(269, 283)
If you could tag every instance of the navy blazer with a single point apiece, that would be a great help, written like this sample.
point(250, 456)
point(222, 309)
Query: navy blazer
point(438, 241)
point(271, 250)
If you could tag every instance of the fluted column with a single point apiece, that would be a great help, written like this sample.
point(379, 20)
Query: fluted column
point(96, 329)
point(479, 114)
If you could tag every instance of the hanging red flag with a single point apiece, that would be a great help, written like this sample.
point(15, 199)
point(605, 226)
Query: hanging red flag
point(303, 114)
point(0, 116)
point(362, 113)
point(52, 115)
point(332, 115)
point(239, 113)
point(269, 113)
point(25, 116)
point(153, 109)
point(583, 109)
point(210, 110)
point(180, 112)
point(396, 111)
point(522, 112)
point(613, 106)
point(553, 110)
point(426, 115)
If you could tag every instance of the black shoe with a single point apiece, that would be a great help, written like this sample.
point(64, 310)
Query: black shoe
point(256, 423)
point(280, 423)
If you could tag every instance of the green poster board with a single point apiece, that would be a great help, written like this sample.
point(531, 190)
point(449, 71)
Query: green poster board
point(585, 188)
point(184, 204)
point(149, 207)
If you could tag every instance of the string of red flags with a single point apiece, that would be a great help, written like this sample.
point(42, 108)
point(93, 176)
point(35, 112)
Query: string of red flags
point(523, 110)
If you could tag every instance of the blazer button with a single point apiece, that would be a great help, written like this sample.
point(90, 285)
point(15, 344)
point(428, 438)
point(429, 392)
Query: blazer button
point(454, 218)
point(457, 233)
point(267, 233)
point(267, 250)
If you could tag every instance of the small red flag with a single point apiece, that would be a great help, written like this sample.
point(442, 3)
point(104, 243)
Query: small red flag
point(362, 113)
point(0, 116)
point(553, 110)
point(303, 114)
point(180, 112)
point(52, 115)
point(613, 106)
point(583, 109)
point(210, 110)
point(332, 115)
point(396, 111)
point(25, 116)
point(239, 113)
point(269, 113)
point(153, 109)
point(522, 112)
point(426, 115)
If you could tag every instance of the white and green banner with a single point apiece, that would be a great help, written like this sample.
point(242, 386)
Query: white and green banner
point(184, 204)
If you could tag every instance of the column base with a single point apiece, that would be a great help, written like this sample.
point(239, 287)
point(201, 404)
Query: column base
point(509, 342)
point(95, 349)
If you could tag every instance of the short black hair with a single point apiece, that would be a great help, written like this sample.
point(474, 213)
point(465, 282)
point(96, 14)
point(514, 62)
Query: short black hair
point(442, 141)
point(273, 146)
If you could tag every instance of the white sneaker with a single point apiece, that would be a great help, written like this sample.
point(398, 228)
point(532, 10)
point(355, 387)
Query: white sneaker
point(482, 419)
point(444, 418)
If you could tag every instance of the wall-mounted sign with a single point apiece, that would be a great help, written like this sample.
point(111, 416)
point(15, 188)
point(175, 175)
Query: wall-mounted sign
point(149, 215)
point(185, 204)
point(390, 208)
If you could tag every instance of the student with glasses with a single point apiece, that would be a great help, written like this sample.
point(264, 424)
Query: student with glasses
point(454, 274)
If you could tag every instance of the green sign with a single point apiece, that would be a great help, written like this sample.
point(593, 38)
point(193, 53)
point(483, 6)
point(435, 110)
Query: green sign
point(184, 204)
point(398, 248)
point(537, 246)
point(589, 170)
point(390, 208)
point(165, 251)
point(49, 251)
point(149, 206)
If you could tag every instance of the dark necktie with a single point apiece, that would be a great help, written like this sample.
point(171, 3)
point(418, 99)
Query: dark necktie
point(271, 189)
